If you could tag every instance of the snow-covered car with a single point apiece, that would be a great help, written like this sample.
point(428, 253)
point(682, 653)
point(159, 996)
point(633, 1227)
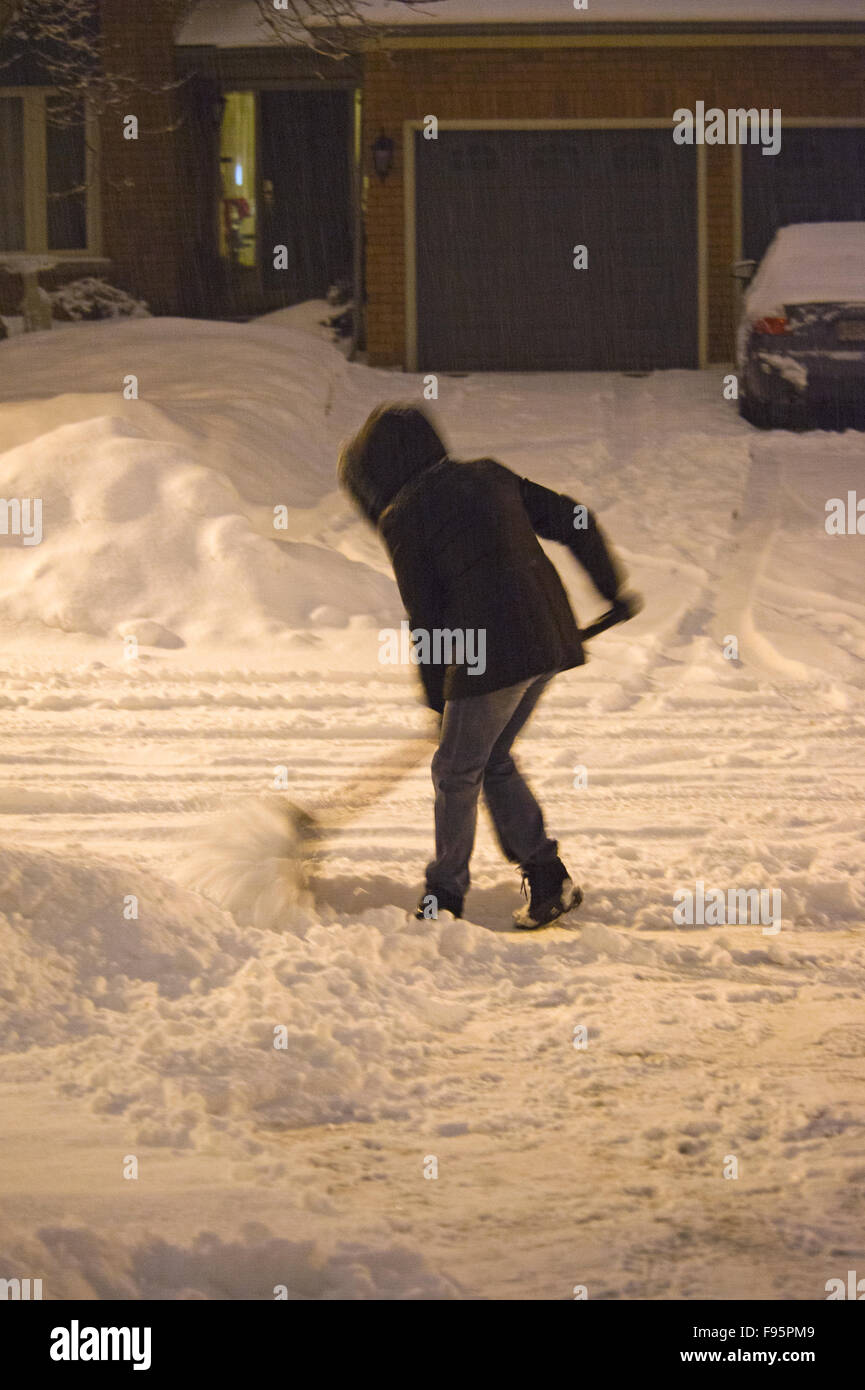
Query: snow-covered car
point(801, 340)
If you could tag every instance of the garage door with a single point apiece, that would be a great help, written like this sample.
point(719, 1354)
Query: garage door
point(497, 216)
point(818, 175)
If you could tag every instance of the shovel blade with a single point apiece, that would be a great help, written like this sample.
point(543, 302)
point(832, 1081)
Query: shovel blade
point(251, 861)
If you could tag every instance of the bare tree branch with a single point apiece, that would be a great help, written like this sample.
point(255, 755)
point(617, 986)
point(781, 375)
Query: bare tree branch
point(61, 41)
point(332, 28)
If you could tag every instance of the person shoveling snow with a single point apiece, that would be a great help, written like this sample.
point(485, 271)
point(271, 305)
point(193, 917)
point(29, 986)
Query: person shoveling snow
point(490, 624)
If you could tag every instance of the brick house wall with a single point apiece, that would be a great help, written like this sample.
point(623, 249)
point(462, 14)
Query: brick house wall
point(143, 212)
point(591, 81)
point(143, 204)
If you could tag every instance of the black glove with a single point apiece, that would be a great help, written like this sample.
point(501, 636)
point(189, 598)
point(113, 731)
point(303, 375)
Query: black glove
point(628, 605)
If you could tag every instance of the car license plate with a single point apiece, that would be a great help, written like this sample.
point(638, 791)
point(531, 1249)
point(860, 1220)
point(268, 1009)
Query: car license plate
point(851, 330)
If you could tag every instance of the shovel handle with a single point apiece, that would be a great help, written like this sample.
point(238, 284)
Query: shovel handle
point(618, 613)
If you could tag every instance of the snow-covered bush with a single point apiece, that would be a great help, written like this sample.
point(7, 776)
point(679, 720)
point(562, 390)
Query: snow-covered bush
point(340, 292)
point(340, 296)
point(93, 298)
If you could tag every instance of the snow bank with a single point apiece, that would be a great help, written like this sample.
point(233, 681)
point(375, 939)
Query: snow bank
point(151, 530)
point(266, 405)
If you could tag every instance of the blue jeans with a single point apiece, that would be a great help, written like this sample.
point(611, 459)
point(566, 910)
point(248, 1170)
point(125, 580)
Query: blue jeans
point(475, 751)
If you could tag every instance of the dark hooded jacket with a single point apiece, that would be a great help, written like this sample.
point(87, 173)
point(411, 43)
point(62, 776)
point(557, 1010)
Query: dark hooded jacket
point(463, 541)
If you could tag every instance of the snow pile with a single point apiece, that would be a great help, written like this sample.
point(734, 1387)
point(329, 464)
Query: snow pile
point(93, 298)
point(263, 403)
point(204, 1037)
point(282, 1029)
point(809, 263)
point(76, 1263)
point(134, 528)
point(314, 317)
point(80, 942)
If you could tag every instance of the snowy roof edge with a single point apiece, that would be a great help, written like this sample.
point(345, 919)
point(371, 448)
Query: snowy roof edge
point(557, 28)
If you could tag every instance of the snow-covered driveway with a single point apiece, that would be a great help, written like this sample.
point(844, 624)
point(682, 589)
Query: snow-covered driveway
point(304, 1164)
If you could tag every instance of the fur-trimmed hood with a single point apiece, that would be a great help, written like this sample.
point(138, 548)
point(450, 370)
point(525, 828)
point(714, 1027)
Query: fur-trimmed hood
point(394, 444)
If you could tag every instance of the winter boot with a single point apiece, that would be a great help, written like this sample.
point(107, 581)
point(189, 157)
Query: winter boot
point(553, 893)
point(434, 902)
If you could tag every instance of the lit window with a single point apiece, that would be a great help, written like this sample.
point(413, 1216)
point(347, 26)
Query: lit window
point(237, 223)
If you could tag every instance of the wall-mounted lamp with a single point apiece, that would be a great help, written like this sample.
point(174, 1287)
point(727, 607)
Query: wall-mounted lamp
point(382, 156)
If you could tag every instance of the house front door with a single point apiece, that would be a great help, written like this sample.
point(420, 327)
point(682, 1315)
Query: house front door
point(305, 192)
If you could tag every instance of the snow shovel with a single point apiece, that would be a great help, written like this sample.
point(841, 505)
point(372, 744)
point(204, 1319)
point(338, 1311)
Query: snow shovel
point(252, 859)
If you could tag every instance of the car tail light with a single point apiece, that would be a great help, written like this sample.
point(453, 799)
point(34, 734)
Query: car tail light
point(773, 326)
